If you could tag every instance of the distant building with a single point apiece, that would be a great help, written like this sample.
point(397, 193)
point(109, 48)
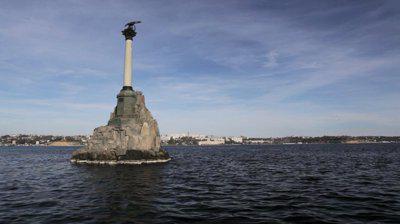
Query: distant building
point(165, 138)
point(258, 141)
point(237, 139)
point(212, 141)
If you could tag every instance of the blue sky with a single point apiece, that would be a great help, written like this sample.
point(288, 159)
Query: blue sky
point(254, 68)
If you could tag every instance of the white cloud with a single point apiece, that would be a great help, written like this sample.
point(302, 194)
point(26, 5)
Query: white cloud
point(242, 90)
point(272, 59)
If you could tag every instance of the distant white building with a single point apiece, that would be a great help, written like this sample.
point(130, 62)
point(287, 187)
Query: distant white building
point(167, 137)
point(197, 136)
point(212, 141)
point(237, 139)
point(259, 141)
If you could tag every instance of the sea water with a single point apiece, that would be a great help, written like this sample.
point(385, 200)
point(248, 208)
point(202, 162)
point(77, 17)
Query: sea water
point(333, 183)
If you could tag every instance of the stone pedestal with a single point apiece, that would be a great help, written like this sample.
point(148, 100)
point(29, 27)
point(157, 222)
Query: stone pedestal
point(131, 135)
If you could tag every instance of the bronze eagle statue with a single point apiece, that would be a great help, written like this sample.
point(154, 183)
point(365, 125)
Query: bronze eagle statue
point(132, 24)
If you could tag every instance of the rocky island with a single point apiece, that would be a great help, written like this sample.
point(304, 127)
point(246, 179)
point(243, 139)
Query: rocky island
point(131, 135)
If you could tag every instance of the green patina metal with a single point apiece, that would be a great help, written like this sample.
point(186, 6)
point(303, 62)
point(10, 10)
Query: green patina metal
point(126, 107)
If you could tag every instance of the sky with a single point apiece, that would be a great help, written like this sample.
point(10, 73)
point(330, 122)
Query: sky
point(252, 68)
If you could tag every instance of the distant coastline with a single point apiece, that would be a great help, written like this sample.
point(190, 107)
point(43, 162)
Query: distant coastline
point(201, 140)
point(289, 140)
point(362, 143)
point(222, 145)
point(64, 143)
point(75, 144)
point(43, 140)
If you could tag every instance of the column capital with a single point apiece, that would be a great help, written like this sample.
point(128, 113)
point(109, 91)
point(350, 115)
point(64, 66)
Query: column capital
point(129, 33)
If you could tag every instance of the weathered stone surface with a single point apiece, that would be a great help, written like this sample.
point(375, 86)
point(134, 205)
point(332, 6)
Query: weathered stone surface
point(131, 133)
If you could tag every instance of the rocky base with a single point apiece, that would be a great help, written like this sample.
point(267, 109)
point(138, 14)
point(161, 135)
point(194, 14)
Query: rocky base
point(119, 162)
point(130, 137)
point(108, 155)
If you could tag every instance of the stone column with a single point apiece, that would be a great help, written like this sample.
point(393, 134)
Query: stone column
point(129, 32)
point(128, 63)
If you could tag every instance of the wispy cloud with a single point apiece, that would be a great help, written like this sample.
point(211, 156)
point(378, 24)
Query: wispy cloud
point(254, 68)
point(271, 59)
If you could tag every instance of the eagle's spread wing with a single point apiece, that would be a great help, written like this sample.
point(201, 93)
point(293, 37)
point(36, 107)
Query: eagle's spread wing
point(132, 23)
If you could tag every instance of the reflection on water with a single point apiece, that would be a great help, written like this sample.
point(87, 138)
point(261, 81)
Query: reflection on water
point(244, 184)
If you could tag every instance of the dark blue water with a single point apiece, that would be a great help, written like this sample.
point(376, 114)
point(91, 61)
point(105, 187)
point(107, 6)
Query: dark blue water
point(223, 184)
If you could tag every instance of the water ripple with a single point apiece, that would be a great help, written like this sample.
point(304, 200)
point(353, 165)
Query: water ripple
point(222, 184)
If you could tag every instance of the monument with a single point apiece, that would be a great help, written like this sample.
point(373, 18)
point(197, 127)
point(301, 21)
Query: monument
point(131, 135)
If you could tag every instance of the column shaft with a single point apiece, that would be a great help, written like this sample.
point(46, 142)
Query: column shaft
point(128, 63)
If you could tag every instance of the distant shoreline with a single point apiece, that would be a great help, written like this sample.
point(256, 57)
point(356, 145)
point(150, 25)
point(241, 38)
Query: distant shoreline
point(64, 143)
point(42, 145)
point(73, 145)
point(172, 140)
point(340, 143)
